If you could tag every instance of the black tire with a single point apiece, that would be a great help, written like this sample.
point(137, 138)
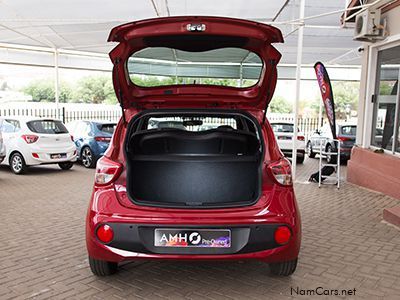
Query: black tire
point(309, 150)
point(66, 165)
point(17, 163)
point(300, 159)
point(102, 267)
point(285, 268)
point(330, 159)
point(87, 157)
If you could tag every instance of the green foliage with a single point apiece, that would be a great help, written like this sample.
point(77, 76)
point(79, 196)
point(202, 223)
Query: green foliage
point(44, 91)
point(99, 88)
point(280, 105)
point(345, 95)
point(386, 88)
point(91, 89)
point(95, 89)
point(149, 81)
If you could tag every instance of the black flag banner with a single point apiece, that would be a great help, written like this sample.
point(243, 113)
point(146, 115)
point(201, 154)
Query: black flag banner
point(327, 95)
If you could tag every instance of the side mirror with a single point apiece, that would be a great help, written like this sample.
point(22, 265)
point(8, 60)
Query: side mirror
point(317, 132)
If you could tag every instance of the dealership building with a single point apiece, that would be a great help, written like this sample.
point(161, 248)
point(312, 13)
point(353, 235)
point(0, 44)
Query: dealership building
point(375, 161)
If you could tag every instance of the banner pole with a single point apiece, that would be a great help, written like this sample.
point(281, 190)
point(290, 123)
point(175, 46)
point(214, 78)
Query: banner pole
point(320, 115)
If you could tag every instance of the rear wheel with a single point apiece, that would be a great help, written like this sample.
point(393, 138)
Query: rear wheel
point(66, 165)
point(310, 152)
point(87, 157)
point(17, 163)
point(102, 267)
point(285, 268)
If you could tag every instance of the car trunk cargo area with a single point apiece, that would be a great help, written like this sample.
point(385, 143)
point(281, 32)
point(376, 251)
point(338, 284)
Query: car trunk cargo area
point(214, 166)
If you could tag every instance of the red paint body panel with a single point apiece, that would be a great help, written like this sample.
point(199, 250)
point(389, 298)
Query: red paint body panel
point(277, 203)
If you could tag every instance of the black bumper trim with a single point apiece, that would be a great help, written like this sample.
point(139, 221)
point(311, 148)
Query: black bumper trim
point(244, 239)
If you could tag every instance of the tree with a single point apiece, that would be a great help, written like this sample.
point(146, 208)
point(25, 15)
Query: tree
point(44, 91)
point(280, 105)
point(345, 95)
point(95, 89)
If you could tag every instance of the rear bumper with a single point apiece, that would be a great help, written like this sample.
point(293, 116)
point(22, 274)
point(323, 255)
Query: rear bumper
point(288, 152)
point(252, 233)
point(45, 157)
point(248, 242)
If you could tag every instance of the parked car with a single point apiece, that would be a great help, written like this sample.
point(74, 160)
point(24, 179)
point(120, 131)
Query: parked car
point(92, 139)
point(31, 141)
point(217, 194)
point(2, 147)
point(346, 134)
point(284, 134)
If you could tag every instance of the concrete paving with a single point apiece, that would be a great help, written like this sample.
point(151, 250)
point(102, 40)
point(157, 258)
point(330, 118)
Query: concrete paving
point(346, 245)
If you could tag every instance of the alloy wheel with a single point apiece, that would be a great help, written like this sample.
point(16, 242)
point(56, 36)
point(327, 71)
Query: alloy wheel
point(17, 163)
point(87, 157)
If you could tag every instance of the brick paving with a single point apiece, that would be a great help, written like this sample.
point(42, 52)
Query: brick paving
point(42, 250)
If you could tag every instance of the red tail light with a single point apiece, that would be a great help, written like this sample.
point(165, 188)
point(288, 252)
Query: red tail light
point(72, 138)
point(282, 235)
point(282, 171)
point(105, 139)
point(35, 155)
point(105, 233)
point(300, 138)
point(107, 171)
point(343, 139)
point(30, 138)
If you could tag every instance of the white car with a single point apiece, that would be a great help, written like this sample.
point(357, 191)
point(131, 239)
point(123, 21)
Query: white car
point(284, 135)
point(2, 147)
point(31, 141)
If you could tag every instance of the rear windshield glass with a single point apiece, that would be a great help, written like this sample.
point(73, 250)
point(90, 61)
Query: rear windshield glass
point(285, 128)
point(107, 128)
point(47, 126)
point(191, 123)
point(159, 66)
point(349, 130)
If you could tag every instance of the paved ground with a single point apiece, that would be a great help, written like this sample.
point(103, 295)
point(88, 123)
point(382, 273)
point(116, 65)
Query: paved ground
point(42, 250)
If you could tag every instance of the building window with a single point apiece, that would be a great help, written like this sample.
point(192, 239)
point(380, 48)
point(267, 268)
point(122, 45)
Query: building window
point(385, 125)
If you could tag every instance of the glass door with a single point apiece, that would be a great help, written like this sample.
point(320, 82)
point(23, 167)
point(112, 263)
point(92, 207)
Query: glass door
point(385, 125)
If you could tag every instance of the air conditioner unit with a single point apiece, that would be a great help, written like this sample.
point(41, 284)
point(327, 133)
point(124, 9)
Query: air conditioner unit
point(368, 26)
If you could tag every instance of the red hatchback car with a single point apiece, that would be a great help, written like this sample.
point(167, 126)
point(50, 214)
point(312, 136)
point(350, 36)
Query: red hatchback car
point(193, 171)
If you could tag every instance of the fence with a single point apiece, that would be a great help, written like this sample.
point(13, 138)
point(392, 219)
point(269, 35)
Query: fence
point(66, 113)
point(70, 112)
